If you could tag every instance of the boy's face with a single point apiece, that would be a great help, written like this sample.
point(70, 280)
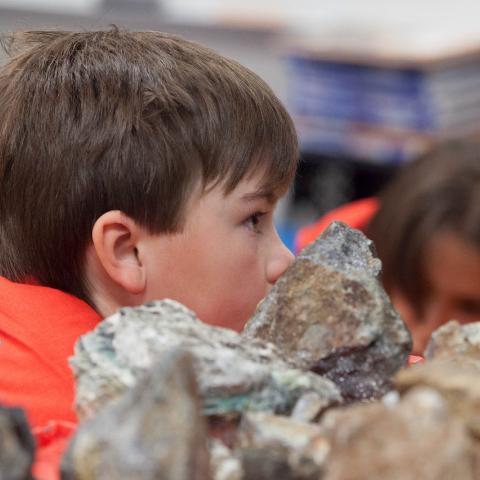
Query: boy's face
point(452, 270)
point(225, 259)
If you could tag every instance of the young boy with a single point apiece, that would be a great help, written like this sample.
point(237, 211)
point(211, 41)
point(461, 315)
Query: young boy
point(133, 167)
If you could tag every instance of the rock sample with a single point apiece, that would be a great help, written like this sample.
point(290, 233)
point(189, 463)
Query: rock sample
point(225, 465)
point(272, 463)
point(17, 445)
point(270, 443)
point(456, 379)
point(453, 339)
point(414, 439)
point(329, 313)
point(308, 408)
point(233, 375)
point(154, 431)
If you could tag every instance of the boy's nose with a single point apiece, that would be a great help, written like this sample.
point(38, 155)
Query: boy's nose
point(280, 259)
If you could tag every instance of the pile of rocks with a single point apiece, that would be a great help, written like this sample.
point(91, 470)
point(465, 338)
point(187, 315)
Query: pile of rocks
point(313, 388)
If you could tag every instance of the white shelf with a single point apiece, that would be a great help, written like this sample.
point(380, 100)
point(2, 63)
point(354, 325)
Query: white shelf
point(78, 7)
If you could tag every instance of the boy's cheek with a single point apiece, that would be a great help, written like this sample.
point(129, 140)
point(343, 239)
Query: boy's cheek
point(233, 311)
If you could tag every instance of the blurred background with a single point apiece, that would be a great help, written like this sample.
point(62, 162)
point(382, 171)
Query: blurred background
point(370, 84)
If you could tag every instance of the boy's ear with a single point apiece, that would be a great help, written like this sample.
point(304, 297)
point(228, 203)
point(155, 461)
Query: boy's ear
point(115, 239)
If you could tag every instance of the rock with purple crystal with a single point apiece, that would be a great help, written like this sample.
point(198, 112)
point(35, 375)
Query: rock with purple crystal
point(329, 313)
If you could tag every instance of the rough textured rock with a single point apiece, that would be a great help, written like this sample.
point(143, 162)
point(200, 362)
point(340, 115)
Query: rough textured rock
point(153, 431)
point(329, 313)
point(453, 339)
point(272, 463)
point(308, 407)
point(298, 446)
point(456, 379)
point(278, 447)
point(233, 375)
point(225, 465)
point(414, 439)
point(16, 445)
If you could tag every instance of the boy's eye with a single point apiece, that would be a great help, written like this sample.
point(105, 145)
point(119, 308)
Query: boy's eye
point(253, 221)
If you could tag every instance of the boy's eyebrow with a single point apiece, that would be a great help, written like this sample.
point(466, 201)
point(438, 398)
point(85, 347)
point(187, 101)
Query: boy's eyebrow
point(267, 195)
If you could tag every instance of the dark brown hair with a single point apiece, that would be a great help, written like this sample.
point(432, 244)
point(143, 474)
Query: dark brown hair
point(106, 120)
point(438, 192)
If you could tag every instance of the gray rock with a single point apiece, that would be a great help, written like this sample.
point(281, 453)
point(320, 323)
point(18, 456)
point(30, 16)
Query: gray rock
point(269, 447)
point(455, 378)
point(225, 465)
point(345, 249)
point(329, 313)
point(272, 463)
point(154, 431)
point(415, 439)
point(301, 442)
point(453, 339)
point(308, 407)
point(233, 375)
point(17, 445)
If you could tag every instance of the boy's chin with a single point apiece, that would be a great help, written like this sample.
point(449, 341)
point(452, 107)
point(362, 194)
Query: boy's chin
point(232, 324)
point(230, 321)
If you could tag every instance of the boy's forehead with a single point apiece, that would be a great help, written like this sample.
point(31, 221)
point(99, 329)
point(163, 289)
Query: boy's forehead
point(259, 194)
point(247, 194)
point(254, 188)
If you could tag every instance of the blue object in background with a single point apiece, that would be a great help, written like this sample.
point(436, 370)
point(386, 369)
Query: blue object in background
point(287, 231)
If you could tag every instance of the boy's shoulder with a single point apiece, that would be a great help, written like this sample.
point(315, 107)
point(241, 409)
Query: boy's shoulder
point(38, 330)
point(21, 299)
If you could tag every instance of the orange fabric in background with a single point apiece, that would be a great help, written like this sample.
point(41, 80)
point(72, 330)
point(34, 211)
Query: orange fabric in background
point(52, 441)
point(355, 214)
point(38, 330)
point(413, 359)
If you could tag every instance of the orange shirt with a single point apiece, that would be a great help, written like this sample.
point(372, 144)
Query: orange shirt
point(355, 214)
point(38, 330)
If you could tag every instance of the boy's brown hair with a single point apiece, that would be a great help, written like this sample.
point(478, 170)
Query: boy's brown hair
point(116, 120)
point(436, 193)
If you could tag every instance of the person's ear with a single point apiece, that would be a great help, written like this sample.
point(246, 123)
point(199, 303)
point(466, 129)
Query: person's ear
point(115, 238)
